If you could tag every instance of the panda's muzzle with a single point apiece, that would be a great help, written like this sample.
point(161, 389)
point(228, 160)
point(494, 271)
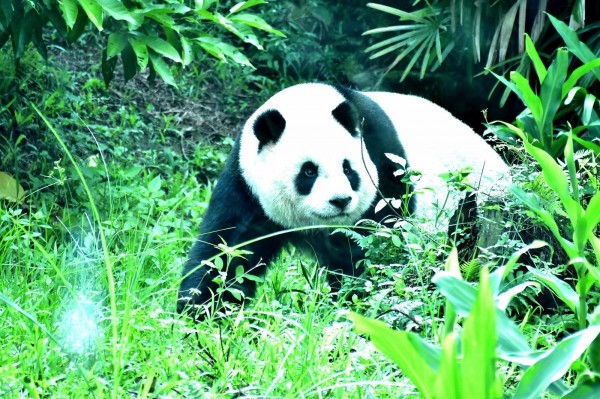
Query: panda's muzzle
point(341, 202)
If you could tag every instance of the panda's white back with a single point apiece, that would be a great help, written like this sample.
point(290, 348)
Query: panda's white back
point(436, 142)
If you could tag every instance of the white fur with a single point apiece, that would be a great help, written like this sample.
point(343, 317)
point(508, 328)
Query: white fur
point(435, 142)
point(311, 134)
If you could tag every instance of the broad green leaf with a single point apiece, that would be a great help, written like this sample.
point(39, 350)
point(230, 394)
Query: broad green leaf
point(93, 11)
point(532, 201)
point(10, 189)
point(588, 223)
point(554, 363)
point(141, 53)
point(245, 5)
point(586, 390)
point(502, 272)
point(255, 22)
point(574, 45)
point(417, 359)
point(69, 11)
point(578, 74)
point(570, 159)
point(556, 179)
point(162, 69)
point(161, 47)
point(448, 384)
point(462, 296)
point(551, 94)
point(587, 144)
point(187, 52)
point(203, 5)
point(538, 65)
point(116, 43)
point(562, 290)
point(588, 108)
point(453, 268)
point(118, 11)
point(479, 340)
point(531, 100)
point(503, 299)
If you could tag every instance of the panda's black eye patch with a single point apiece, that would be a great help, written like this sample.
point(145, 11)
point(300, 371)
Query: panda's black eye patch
point(351, 175)
point(305, 180)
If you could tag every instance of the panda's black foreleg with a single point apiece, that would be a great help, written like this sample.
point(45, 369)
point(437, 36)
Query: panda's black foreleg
point(339, 254)
point(234, 217)
point(210, 281)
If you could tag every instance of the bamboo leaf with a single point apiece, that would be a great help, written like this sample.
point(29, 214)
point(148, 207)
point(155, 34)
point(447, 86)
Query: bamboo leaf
point(417, 359)
point(562, 290)
point(538, 65)
point(530, 99)
point(462, 296)
point(245, 5)
point(554, 363)
point(448, 383)
point(578, 74)
point(551, 94)
point(575, 45)
point(479, 340)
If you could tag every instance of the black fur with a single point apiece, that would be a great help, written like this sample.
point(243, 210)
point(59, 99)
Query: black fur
point(351, 175)
point(268, 127)
point(307, 177)
point(235, 216)
point(380, 137)
point(347, 116)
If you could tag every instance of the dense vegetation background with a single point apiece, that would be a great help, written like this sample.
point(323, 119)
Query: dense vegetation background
point(116, 118)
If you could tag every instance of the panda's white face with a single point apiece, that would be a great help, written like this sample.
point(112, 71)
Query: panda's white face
point(303, 158)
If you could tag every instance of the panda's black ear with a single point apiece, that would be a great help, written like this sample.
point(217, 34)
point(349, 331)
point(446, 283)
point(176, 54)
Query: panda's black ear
point(348, 117)
point(268, 127)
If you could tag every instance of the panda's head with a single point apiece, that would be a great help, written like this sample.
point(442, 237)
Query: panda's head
point(302, 155)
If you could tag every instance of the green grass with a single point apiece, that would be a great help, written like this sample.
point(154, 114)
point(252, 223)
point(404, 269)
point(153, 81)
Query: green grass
point(64, 334)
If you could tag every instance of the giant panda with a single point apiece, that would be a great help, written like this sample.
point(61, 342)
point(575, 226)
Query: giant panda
point(317, 154)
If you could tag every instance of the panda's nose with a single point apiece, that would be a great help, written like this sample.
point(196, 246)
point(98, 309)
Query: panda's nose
point(340, 202)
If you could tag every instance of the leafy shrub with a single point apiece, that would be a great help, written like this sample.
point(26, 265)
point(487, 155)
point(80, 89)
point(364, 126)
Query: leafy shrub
point(432, 31)
point(146, 34)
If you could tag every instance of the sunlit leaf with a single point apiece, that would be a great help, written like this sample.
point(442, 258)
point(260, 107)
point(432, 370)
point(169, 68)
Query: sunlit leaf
point(10, 189)
point(116, 43)
point(161, 46)
point(93, 11)
point(245, 5)
point(162, 69)
point(479, 340)
point(69, 11)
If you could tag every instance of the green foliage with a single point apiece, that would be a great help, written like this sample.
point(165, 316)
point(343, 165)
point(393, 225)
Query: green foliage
point(558, 95)
point(144, 34)
point(452, 370)
point(430, 31)
point(535, 127)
